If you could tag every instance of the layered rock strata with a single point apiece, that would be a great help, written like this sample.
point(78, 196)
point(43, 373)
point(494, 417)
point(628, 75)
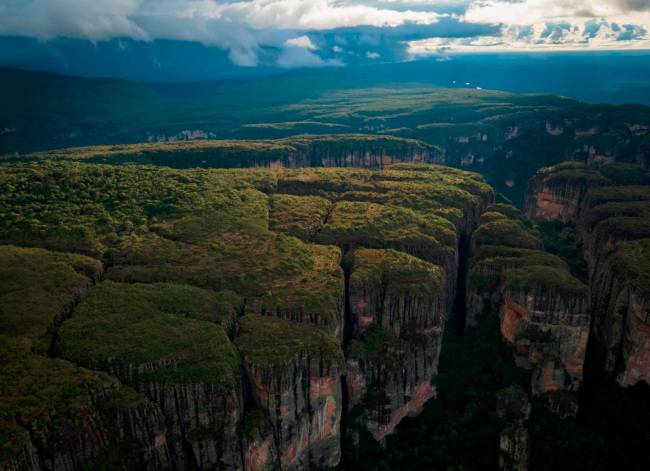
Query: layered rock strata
point(397, 307)
point(612, 225)
point(295, 376)
point(543, 309)
point(340, 150)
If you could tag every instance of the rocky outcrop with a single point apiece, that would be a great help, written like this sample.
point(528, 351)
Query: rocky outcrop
point(247, 311)
point(486, 275)
point(397, 311)
point(543, 309)
point(202, 421)
point(78, 419)
point(194, 149)
point(612, 225)
point(391, 377)
point(557, 192)
point(194, 380)
point(295, 376)
point(622, 329)
point(258, 443)
point(546, 318)
point(352, 150)
point(54, 414)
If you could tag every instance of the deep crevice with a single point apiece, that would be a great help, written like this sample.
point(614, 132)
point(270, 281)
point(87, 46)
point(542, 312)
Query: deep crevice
point(348, 321)
point(346, 336)
point(459, 311)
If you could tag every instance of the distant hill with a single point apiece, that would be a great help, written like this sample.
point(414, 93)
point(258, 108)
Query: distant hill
point(505, 136)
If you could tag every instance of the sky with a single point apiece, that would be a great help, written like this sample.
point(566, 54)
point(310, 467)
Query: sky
point(311, 33)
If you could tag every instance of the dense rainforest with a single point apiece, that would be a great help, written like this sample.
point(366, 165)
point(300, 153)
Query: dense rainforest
point(340, 299)
point(504, 136)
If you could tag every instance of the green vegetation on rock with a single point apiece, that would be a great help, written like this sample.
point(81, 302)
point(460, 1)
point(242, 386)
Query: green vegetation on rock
point(505, 209)
point(39, 288)
point(353, 224)
point(205, 153)
point(299, 216)
point(135, 330)
point(57, 396)
point(87, 208)
point(380, 346)
point(506, 232)
point(530, 278)
point(267, 341)
point(400, 273)
point(631, 262)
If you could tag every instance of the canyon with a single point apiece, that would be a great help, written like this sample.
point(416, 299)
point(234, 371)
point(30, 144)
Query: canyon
point(267, 317)
point(609, 206)
point(221, 319)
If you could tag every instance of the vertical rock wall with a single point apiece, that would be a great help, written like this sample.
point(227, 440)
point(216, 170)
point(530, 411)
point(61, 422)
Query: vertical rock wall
point(611, 216)
point(397, 310)
point(544, 311)
point(295, 376)
point(213, 382)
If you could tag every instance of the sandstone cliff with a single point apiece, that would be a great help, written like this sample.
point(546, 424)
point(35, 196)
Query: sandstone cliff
point(339, 150)
point(397, 308)
point(235, 317)
point(185, 365)
point(54, 414)
point(295, 376)
point(543, 309)
point(557, 192)
point(546, 316)
point(611, 217)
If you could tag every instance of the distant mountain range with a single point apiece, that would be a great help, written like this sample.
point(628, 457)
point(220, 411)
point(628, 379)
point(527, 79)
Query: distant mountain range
point(503, 135)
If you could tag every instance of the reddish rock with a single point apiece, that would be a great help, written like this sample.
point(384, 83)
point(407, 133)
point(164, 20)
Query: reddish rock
point(549, 331)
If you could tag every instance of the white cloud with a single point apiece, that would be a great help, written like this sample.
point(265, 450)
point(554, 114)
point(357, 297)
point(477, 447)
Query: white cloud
point(567, 36)
point(528, 12)
point(246, 27)
point(94, 20)
point(242, 27)
point(317, 14)
point(547, 25)
point(301, 41)
point(373, 55)
point(98, 19)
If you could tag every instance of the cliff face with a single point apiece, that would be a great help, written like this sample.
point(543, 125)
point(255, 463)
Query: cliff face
point(397, 311)
point(340, 150)
point(195, 381)
point(258, 444)
point(54, 414)
point(556, 193)
point(235, 313)
point(202, 423)
point(549, 327)
point(104, 416)
point(637, 341)
point(295, 376)
point(544, 311)
point(611, 220)
point(622, 328)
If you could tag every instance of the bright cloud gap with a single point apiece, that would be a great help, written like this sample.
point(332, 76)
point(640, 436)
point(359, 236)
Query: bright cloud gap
point(311, 33)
